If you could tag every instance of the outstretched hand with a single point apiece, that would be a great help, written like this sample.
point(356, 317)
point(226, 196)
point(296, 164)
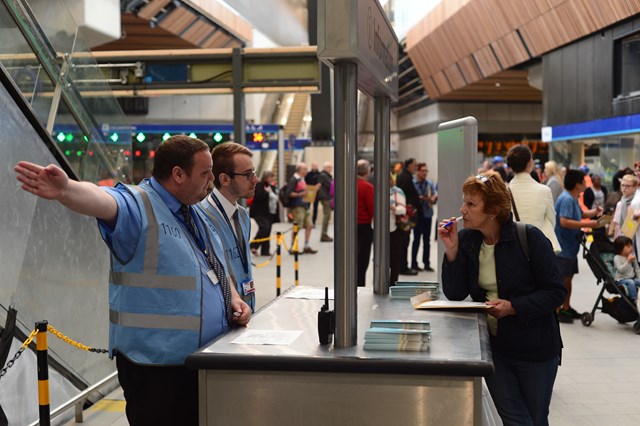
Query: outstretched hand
point(48, 182)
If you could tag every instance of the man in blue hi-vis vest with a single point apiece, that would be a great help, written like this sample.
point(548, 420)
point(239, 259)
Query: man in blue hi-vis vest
point(168, 290)
point(234, 179)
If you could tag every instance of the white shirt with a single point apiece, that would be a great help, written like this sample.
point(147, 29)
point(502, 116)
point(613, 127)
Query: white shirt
point(229, 208)
point(534, 203)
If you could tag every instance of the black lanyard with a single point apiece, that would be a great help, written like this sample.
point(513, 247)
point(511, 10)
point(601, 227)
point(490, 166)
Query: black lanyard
point(243, 257)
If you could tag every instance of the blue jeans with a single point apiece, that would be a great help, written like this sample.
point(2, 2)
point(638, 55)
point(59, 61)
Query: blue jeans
point(631, 286)
point(422, 231)
point(521, 390)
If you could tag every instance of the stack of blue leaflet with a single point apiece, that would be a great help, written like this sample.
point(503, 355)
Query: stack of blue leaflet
point(398, 335)
point(408, 289)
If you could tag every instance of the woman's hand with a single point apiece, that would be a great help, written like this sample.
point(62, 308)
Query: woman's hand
point(501, 308)
point(449, 237)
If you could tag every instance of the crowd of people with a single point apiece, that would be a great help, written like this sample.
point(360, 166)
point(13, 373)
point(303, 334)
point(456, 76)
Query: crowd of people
point(182, 239)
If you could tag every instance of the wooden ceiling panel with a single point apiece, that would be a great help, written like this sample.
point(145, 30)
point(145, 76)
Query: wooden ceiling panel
point(516, 12)
point(178, 20)
point(487, 61)
point(498, 33)
point(430, 87)
point(137, 34)
point(633, 5)
point(506, 86)
point(152, 9)
point(217, 39)
point(455, 77)
point(510, 50)
point(441, 82)
point(469, 69)
point(198, 32)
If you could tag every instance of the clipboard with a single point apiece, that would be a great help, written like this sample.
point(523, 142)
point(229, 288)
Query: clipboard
point(629, 226)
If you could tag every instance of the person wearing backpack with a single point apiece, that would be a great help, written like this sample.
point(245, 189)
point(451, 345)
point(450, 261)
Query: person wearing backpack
point(522, 288)
point(299, 209)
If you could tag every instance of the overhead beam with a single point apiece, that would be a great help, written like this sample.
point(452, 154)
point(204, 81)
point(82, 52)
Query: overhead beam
point(191, 71)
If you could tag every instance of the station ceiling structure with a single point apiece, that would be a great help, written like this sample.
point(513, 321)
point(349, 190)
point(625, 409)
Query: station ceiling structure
point(462, 46)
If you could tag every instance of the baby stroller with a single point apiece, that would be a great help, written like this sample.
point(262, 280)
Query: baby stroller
point(599, 256)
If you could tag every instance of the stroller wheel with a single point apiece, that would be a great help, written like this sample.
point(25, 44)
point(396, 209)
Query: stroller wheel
point(636, 327)
point(587, 319)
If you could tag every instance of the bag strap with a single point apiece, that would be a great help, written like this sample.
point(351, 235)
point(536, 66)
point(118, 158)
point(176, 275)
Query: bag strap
point(515, 209)
point(521, 233)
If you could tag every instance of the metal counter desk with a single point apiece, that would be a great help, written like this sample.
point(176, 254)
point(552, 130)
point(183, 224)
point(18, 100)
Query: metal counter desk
point(309, 384)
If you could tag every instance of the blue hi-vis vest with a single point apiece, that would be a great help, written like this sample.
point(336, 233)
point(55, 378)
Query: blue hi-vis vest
point(233, 262)
point(155, 299)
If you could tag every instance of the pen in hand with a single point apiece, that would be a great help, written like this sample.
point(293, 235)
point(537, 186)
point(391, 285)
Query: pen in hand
point(451, 222)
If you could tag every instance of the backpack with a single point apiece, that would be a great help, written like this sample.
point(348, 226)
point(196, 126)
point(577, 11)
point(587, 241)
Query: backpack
point(282, 196)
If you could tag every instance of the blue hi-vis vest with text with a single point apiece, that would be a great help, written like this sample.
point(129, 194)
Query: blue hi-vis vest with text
point(155, 299)
point(233, 262)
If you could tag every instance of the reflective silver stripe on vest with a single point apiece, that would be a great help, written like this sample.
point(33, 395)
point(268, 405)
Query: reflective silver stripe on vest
point(152, 243)
point(173, 322)
point(169, 282)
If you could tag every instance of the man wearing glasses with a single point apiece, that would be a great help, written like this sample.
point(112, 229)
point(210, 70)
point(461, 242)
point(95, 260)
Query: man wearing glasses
point(168, 290)
point(234, 178)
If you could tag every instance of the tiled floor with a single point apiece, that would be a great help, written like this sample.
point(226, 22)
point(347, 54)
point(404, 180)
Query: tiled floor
point(598, 382)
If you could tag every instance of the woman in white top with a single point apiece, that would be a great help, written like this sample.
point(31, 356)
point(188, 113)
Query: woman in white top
point(533, 200)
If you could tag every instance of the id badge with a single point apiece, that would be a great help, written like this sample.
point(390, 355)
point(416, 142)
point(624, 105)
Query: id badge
point(247, 287)
point(213, 277)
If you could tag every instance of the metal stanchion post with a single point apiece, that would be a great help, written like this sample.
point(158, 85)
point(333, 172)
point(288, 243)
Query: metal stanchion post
point(296, 243)
point(278, 262)
point(43, 373)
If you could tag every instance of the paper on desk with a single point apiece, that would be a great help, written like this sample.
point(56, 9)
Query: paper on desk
point(308, 293)
point(449, 304)
point(267, 337)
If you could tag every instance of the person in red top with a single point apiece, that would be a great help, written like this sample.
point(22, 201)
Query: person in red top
point(365, 217)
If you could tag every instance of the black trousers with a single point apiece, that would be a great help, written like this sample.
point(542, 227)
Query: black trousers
point(395, 241)
point(158, 395)
point(264, 230)
point(404, 250)
point(365, 240)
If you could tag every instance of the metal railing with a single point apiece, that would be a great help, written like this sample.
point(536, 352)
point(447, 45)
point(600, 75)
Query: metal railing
point(79, 400)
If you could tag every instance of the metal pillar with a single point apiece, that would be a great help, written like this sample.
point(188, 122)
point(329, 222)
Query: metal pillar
point(345, 107)
point(381, 153)
point(238, 98)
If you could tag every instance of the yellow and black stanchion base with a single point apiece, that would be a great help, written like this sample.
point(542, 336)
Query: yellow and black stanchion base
point(43, 373)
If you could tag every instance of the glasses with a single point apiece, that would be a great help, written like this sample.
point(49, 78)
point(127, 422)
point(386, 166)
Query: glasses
point(250, 174)
point(484, 180)
point(626, 185)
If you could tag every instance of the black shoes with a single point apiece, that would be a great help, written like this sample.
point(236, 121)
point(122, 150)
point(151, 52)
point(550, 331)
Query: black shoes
point(408, 272)
point(568, 315)
point(429, 269)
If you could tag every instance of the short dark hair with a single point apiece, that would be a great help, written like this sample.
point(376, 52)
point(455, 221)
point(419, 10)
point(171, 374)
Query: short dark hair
point(178, 150)
point(518, 158)
point(222, 156)
point(408, 162)
point(420, 165)
point(620, 243)
point(572, 178)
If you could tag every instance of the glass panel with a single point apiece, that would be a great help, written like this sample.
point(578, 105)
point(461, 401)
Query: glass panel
point(24, 68)
point(102, 151)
